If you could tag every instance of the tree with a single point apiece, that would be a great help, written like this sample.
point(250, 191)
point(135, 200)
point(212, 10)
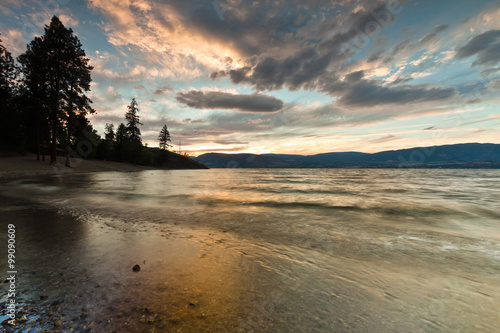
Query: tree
point(7, 73)
point(10, 124)
point(78, 82)
point(132, 117)
point(56, 76)
point(109, 132)
point(34, 92)
point(164, 138)
point(121, 141)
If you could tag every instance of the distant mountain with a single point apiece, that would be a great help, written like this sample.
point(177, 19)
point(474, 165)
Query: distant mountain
point(468, 155)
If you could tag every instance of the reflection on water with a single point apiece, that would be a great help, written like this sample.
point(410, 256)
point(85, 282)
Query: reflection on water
point(261, 250)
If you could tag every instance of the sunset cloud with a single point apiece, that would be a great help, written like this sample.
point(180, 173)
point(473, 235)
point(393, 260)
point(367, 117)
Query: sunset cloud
point(285, 75)
point(486, 46)
point(220, 100)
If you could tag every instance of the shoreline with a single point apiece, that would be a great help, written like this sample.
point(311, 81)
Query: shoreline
point(93, 287)
point(215, 259)
point(26, 166)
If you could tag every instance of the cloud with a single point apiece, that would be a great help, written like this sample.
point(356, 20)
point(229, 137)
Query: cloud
point(494, 85)
point(162, 90)
point(10, 3)
point(486, 46)
point(400, 80)
point(440, 28)
point(68, 20)
point(193, 121)
point(220, 100)
point(13, 41)
point(490, 71)
point(432, 36)
point(162, 37)
point(370, 92)
point(383, 139)
point(231, 142)
point(315, 66)
point(336, 40)
point(112, 95)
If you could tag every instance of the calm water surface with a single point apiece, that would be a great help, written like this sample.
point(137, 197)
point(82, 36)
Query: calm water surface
point(275, 250)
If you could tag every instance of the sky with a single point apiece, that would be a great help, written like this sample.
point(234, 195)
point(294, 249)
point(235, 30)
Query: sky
point(294, 77)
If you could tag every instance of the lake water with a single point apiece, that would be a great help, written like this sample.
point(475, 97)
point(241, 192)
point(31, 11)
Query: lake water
point(251, 250)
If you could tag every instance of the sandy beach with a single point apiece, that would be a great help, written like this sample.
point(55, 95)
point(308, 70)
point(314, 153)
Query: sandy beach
point(16, 167)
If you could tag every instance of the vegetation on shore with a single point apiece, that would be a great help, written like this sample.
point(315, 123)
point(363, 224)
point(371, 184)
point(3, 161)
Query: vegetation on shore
point(44, 108)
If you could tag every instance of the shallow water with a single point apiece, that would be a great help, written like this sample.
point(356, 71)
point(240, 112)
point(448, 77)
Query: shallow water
point(303, 250)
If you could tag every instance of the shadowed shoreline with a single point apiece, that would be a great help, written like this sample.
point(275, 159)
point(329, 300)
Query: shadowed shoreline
point(19, 167)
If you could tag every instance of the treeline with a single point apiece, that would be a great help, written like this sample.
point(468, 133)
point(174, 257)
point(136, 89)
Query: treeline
point(125, 144)
point(44, 106)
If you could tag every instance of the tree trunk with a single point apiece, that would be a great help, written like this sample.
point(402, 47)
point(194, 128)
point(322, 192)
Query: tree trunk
point(42, 141)
point(54, 119)
point(70, 114)
point(37, 139)
point(53, 152)
point(68, 149)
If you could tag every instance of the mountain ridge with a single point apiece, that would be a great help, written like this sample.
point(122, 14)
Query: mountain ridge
point(464, 155)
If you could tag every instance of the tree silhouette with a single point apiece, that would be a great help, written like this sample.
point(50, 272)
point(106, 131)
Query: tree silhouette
point(109, 132)
point(34, 92)
point(164, 138)
point(132, 117)
point(10, 124)
point(56, 76)
point(121, 139)
point(7, 73)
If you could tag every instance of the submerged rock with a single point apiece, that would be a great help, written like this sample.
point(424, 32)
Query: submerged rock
point(6, 322)
point(136, 268)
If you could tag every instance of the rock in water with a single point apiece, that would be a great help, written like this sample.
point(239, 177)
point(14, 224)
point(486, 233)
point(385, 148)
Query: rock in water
point(136, 268)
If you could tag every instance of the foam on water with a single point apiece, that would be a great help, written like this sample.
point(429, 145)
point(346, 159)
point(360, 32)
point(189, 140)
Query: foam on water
point(328, 249)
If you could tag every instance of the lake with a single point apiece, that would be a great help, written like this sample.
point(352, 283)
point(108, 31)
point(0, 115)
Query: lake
point(257, 250)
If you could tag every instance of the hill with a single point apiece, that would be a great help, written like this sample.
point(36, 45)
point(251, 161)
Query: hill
point(468, 155)
point(171, 160)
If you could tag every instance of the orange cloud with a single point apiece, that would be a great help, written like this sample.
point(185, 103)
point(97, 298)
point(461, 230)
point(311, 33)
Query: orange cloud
point(159, 32)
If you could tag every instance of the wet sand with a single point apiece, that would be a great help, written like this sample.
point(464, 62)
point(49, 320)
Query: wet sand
point(76, 274)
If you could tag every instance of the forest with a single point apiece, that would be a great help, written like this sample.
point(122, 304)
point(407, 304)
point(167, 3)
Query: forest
point(44, 106)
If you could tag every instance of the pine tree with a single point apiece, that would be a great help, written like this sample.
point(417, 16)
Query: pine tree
point(10, 124)
point(56, 76)
point(132, 117)
point(78, 82)
point(109, 132)
point(34, 91)
point(7, 73)
point(121, 139)
point(164, 138)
